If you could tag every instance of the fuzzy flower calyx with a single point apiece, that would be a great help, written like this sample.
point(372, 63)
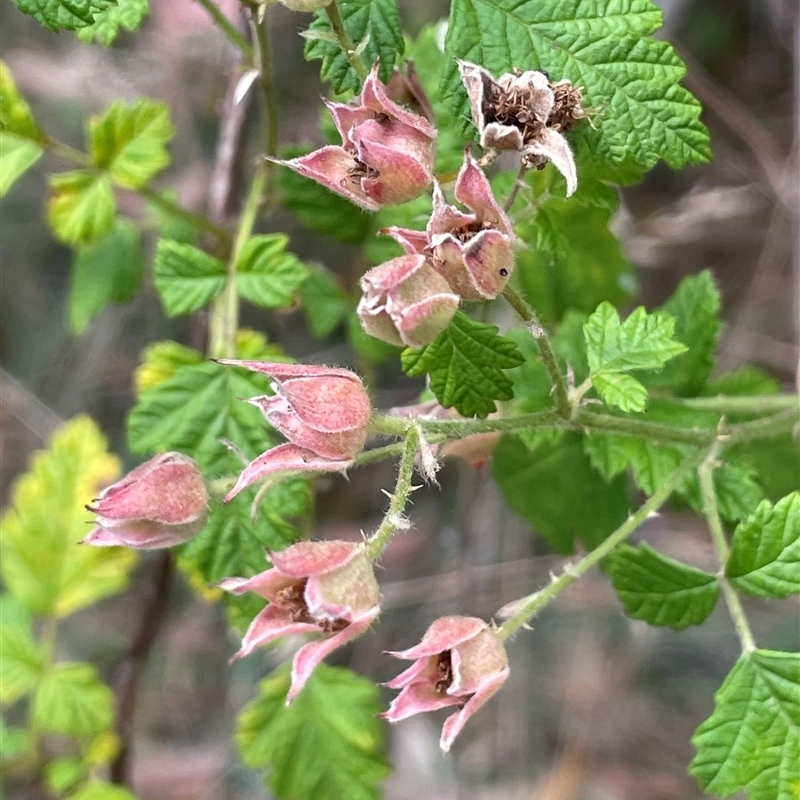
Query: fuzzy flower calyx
point(473, 251)
point(459, 662)
point(525, 112)
point(324, 412)
point(325, 587)
point(386, 155)
point(161, 503)
point(406, 302)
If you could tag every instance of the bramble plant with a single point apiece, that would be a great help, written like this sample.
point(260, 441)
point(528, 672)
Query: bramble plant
point(493, 166)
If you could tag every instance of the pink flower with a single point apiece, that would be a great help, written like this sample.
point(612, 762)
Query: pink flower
point(161, 503)
point(386, 155)
point(406, 302)
point(459, 662)
point(474, 252)
point(324, 587)
point(324, 412)
point(525, 112)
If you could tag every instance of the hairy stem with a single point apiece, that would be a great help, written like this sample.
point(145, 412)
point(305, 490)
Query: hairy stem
point(756, 404)
point(228, 28)
point(394, 519)
point(345, 42)
point(528, 607)
point(512, 196)
point(531, 320)
point(708, 493)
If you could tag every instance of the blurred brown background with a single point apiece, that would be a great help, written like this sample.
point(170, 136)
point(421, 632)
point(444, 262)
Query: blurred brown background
point(597, 707)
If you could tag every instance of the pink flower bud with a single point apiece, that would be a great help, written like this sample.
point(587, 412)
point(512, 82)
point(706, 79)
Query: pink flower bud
point(459, 662)
point(474, 252)
point(406, 302)
point(324, 412)
point(327, 588)
point(525, 112)
point(386, 155)
point(162, 503)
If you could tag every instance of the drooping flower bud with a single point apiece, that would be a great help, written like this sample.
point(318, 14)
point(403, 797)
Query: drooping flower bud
point(326, 587)
point(525, 112)
point(406, 302)
point(161, 503)
point(459, 662)
point(386, 155)
point(473, 252)
point(324, 412)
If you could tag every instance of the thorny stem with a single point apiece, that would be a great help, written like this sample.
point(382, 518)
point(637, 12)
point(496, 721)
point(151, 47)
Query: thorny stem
point(534, 603)
point(528, 316)
point(708, 493)
point(345, 42)
point(227, 27)
point(394, 519)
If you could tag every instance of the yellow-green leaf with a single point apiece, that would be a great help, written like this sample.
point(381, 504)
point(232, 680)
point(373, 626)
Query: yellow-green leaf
point(15, 113)
point(20, 662)
point(82, 206)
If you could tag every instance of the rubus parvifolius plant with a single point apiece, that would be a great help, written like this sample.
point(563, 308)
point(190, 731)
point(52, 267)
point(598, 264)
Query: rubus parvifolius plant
point(490, 163)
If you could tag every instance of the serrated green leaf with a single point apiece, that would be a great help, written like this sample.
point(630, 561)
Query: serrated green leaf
point(42, 564)
point(660, 590)
point(556, 489)
point(63, 15)
point(21, 662)
point(186, 277)
point(765, 554)
point(377, 19)
point(324, 302)
point(605, 47)
point(319, 208)
point(71, 699)
point(109, 270)
point(465, 363)
point(621, 390)
point(161, 360)
point(17, 156)
point(15, 113)
point(100, 790)
point(752, 740)
point(266, 274)
point(82, 206)
point(127, 14)
point(129, 141)
point(327, 745)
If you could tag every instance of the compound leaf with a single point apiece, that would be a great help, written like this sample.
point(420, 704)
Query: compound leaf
point(186, 277)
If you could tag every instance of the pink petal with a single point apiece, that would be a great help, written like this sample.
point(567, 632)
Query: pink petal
point(476, 81)
point(443, 634)
point(311, 654)
point(475, 192)
point(446, 218)
point(417, 699)
point(347, 117)
point(267, 584)
point(282, 371)
point(454, 723)
point(139, 534)
point(419, 324)
point(413, 242)
point(423, 670)
point(331, 446)
point(329, 403)
point(402, 177)
point(475, 663)
point(272, 623)
point(489, 259)
point(283, 458)
point(553, 146)
point(496, 136)
point(304, 559)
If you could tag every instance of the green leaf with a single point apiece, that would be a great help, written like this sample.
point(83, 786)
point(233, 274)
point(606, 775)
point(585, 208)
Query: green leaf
point(126, 14)
point(377, 22)
point(368, 347)
point(659, 590)
point(775, 461)
point(100, 790)
point(605, 47)
point(63, 15)
point(466, 363)
point(752, 740)
point(82, 206)
point(327, 745)
point(186, 277)
point(17, 156)
point(642, 341)
point(108, 271)
point(325, 303)
point(765, 555)
point(738, 492)
point(15, 113)
point(61, 774)
point(13, 741)
point(558, 492)
point(742, 381)
point(20, 662)
point(129, 141)
point(319, 208)
point(71, 699)
point(41, 562)
point(266, 274)
point(695, 309)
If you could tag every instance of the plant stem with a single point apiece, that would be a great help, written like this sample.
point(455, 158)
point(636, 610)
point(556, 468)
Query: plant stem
point(755, 404)
point(528, 316)
point(658, 431)
point(708, 493)
point(512, 196)
point(766, 427)
point(531, 605)
point(394, 519)
point(345, 42)
point(227, 27)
